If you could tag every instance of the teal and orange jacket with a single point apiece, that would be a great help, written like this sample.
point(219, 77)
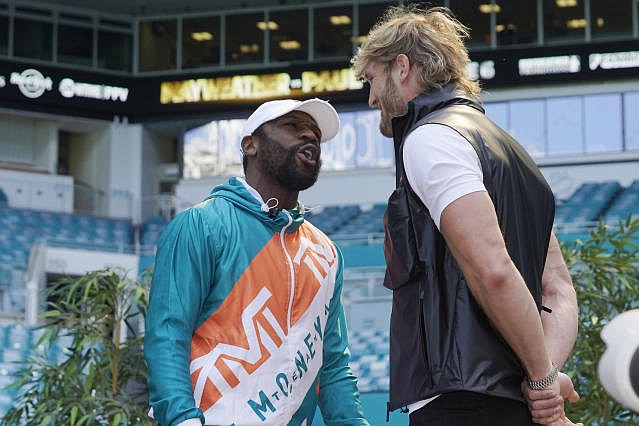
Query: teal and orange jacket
point(245, 323)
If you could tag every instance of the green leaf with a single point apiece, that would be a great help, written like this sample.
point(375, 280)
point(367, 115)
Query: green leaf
point(74, 414)
point(46, 420)
point(116, 419)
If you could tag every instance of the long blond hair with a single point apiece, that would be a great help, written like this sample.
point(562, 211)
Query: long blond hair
point(432, 39)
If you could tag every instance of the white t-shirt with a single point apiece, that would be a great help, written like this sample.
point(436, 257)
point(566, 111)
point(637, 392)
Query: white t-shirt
point(441, 166)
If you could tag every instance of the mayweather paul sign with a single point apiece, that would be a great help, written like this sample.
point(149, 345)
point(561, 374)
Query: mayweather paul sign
point(257, 87)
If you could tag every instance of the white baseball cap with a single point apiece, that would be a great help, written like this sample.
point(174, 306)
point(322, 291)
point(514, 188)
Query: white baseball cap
point(322, 112)
point(615, 369)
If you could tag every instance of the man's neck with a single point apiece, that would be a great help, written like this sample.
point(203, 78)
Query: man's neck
point(286, 199)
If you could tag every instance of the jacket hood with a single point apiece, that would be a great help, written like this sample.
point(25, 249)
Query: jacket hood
point(237, 192)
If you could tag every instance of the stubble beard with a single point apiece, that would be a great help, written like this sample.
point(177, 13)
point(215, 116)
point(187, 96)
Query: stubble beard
point(281, 164)
point(391, 105)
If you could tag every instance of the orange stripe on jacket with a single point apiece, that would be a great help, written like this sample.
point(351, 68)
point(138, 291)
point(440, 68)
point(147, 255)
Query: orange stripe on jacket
point(268, 270)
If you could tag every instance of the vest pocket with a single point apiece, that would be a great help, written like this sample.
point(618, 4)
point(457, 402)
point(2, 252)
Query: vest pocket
point(423, 334)
point(399, 241)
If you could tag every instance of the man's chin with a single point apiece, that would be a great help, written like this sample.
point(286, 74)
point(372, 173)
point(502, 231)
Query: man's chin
point(302, 186)
point(302, 182)
point(386, 131)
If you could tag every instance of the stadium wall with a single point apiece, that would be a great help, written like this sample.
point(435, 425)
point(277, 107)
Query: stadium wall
point(37, 191)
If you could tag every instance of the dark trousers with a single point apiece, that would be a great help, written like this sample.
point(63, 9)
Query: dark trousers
point(468, 408)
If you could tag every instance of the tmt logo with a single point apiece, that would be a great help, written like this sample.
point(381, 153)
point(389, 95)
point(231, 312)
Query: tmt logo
point(220, 366)
point(248, 330)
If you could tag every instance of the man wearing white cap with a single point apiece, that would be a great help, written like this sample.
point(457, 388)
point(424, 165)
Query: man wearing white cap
point(245, 323)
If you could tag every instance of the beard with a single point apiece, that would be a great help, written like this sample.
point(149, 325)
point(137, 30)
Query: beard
point(391, 105)
point(281, 164)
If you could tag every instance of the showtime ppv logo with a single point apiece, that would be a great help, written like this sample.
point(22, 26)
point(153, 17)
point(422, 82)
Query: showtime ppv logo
point(264, 321)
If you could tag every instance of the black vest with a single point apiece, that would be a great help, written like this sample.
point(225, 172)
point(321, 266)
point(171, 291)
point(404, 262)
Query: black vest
point(440, 339)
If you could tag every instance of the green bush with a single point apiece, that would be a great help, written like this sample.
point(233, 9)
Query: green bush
point(604, 270)
point(101, 377)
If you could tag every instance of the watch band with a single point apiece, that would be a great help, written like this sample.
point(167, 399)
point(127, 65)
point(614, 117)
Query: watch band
point(546, 381)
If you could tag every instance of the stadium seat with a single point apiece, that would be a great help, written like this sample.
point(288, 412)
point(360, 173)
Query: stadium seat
point(625, 204)
point(369, 221)
point(594, 201)
point(4, 201)
point(588, 203)
point(331, 218)
point(151, 230)
point(77, 231)
point(369, 359)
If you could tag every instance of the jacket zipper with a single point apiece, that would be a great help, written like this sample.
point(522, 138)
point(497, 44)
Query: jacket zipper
point(289, 263)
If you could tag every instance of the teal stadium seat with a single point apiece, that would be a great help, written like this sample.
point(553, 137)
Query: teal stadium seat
point(367, 222)
point(592, 202)
point(68, 230)
point(149, 235)
point(151, 230)
point(588, 203)
point(331, 218)
point(4, 200)
point(627, 203)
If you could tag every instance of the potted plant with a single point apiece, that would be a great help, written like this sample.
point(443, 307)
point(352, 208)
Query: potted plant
point(87, 368)
point(605, 272)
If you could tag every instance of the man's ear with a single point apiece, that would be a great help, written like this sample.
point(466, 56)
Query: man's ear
point(403, 66)
point(249, 145)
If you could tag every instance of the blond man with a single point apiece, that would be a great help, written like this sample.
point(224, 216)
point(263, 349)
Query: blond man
point(484, 310)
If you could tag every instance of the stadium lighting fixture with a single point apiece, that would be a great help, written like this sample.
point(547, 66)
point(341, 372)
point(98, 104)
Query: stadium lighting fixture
point(489, 8)
point(566, 3)
point(290, 45)
point(202, 36)
point(249, 48)
point(340, 20)
point(501, 27)
point(270, 25)
point(358, 39)
point(576, 23)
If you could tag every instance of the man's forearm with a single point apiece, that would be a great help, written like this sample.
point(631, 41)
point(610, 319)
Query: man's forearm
point(560, 325)
point(512, 309)
point(558, 294)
